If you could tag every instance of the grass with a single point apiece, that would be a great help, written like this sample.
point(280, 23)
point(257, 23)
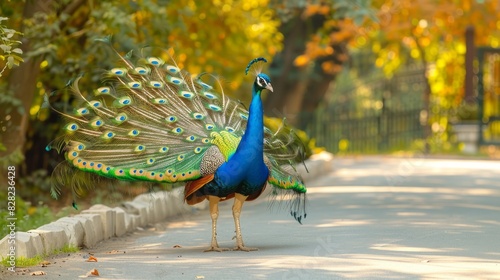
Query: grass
point(27, 262)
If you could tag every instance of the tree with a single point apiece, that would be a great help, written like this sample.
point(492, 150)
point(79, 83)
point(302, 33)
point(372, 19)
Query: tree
point(432, 33)
point(316, 37)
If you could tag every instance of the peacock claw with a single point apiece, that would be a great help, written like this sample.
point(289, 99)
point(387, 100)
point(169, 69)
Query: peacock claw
point(216, 249)
point(246, 249)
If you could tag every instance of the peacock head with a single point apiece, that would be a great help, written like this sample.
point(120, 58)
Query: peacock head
point(262, 81)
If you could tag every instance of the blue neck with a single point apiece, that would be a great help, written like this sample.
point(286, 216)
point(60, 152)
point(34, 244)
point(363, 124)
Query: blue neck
point(254, 133)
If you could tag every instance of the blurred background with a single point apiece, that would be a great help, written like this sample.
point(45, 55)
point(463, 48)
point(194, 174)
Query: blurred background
point(355, 76)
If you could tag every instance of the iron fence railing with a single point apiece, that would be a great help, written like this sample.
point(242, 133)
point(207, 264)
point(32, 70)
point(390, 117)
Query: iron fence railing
point(374, 116)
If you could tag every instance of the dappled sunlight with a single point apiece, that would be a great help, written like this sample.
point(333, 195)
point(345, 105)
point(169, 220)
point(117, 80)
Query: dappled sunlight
point(182, 224)
point(344, 223)
point(410, 214)
point(402, 248)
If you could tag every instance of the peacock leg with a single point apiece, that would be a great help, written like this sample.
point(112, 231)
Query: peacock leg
point(239, 199)
point(214, 213)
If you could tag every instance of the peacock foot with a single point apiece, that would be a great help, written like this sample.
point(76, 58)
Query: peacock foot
point(243, 248)
point(216, 249)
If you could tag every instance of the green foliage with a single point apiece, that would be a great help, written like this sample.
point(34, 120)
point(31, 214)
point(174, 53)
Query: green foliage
point(28, 216)
point(467, 111)
point(36, 260)
point(9, 50)
point(23, 262)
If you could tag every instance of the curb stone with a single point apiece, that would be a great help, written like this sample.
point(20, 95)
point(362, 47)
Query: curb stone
point(101, 222)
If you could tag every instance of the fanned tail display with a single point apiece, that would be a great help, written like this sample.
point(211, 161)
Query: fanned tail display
point(152, 121)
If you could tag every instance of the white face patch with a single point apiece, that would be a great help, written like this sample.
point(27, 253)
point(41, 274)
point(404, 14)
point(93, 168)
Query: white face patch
point(261, 82)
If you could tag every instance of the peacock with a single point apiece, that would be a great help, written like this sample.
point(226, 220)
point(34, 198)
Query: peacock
point(151, 121)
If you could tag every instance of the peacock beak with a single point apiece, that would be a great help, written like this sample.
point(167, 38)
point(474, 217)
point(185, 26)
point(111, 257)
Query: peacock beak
point(269, 87)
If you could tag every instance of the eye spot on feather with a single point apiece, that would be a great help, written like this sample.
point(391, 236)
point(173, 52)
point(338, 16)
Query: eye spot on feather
point(209, 126)
point(102, 90)
point(108, 135)
point(118, 71)
point(186, 94)
point(244, 116)
point(180, 157)
point(209, 95)
point(71, 127)
point(134, 132)
point(163, 150)
point(135, 85)
point(150, 161)
point(198, 116)
point(96, 123)
point(171, 119)
point(174, 80)
point(122, 102)
point(178, 130)
point(80, 147)
point(214, 107)
point(95, 103)
point(141, 70)
point(156, 84)
point(140, 171)
point(191, 138)
point(72, 155)
point(91, 164)
point(98, 166)
point(155, 61)
point(159, 101)
point(197, 150)
point(205, 140)
point(229, 129)
point(82, 112)
point(120, 118)
point(140, 148)
point(172, 69)
point(205, 85)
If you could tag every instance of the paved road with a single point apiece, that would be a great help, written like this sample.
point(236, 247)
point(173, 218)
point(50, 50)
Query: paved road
point(371, 218)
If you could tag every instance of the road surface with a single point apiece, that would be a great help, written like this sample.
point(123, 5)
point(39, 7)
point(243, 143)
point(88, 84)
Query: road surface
point(370, 218)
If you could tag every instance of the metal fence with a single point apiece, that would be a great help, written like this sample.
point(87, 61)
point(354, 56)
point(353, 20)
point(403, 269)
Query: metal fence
point(488, 85)
point(372, 116)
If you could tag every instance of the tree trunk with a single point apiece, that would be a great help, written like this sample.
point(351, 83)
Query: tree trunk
point(299, 90)
point(22, 82)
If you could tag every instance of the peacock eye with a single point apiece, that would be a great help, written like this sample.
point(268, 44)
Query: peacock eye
point(261, 82)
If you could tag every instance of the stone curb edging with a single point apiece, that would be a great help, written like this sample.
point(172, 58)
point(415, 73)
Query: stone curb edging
point(101, 222)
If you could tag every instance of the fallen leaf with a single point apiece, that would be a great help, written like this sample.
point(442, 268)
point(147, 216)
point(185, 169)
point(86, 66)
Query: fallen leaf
point(38, 273)
point(45, 263)
point(200, 277)
point(93, 273)
point(177, 246)
point(91, 259)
